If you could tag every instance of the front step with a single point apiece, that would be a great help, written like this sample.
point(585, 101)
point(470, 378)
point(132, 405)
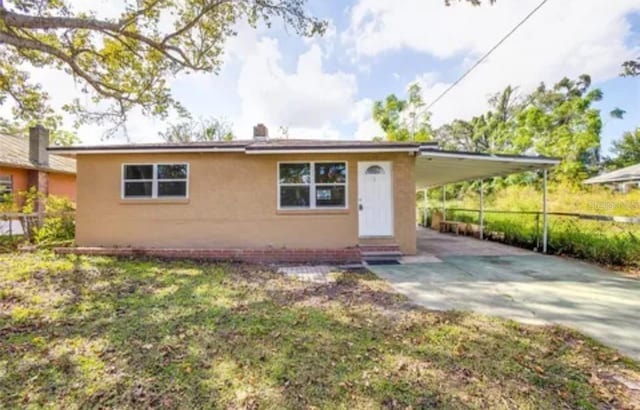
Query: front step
point(380, 253)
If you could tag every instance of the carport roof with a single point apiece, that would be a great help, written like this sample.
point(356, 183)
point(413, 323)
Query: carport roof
point(436, 167)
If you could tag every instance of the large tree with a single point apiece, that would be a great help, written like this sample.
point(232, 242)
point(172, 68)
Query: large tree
point(125, 62)
point(560, 121)
point(208, 129)
point(631, 68)
point(492, 132)
point(557, 121)
point(626, 150)
point(404, 120)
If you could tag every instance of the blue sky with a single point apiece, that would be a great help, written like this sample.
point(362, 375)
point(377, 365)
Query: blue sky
point(324, 87)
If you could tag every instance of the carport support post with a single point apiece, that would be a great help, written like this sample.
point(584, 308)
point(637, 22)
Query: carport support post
point(545, 227)
point(444, 198)
point(425, 192)
point(481, 209)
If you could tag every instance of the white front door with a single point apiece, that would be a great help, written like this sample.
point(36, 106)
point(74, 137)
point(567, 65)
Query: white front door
point(375, 199)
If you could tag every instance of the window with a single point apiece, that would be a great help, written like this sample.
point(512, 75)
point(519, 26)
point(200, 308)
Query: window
point(6, 186)
point(155, 181)
point(374, 170)
point(312, 185)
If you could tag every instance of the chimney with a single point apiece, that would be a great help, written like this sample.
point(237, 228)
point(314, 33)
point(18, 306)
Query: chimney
point(260, 133)
point(38, 143)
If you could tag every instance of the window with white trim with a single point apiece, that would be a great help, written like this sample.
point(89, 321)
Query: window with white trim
point(140, 181)
point(312, 185)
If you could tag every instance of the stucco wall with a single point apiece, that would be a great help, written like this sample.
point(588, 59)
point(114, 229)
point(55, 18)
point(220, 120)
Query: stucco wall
point(232, 203)
point(62, 185)
point(20, 177)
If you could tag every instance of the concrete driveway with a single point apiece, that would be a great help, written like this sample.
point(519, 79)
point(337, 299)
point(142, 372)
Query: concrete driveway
point(521, 285)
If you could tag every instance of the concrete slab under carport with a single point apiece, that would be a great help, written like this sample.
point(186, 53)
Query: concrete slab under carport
point(521, 285)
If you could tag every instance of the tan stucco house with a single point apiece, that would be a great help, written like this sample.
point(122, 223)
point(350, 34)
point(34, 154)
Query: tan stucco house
point(259, 199)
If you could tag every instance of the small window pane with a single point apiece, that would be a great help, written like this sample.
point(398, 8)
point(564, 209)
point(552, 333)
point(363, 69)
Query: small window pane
point(137, 189)
point(330, 195)
point(330, 173)
point(295, 173)
point(172, 188)
point(138, 171)
point(294, 196)
point(374, 170)
point(172, 171)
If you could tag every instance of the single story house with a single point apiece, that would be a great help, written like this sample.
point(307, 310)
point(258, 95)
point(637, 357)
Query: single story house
point(26, 163)
point(264, 199)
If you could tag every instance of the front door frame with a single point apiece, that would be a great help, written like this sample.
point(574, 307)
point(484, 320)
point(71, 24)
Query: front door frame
point(388, 165)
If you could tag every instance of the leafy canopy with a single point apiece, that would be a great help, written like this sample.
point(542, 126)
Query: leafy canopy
point(626, 150)
point(404, 120)
point(557, 121)
point(210, 129)
point(125, 62)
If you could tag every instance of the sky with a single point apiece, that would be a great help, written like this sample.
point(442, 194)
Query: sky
point(325, 87)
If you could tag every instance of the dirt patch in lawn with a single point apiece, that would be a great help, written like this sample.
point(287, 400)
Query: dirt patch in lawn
point(100, 332)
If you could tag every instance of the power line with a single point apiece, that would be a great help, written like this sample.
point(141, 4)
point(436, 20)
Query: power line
point(484, 57)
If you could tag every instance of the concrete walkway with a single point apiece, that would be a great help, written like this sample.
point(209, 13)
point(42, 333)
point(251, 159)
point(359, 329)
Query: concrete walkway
point(468, 274)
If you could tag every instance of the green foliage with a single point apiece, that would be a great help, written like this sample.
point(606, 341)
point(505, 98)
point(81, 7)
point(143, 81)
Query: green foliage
point(126, 62)
point(631, 68)
point(211, 129)
point(560, 122)
point(404, 120)
point(493, 132)
point(626, 150)
point(557, 121)
point(58, 227)
point(604, 242)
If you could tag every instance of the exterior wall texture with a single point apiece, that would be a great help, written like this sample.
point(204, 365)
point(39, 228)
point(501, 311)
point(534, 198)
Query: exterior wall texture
point(62, 185)
point(51, 183)
point(232, 204)
point(20, 177)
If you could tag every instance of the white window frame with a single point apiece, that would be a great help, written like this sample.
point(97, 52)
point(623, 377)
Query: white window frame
point(312, 186)
point(154, 181)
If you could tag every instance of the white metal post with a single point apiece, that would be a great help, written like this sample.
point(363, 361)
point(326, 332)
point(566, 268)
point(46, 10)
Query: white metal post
point(444, 198)
point(545, 227)
point(481, 209)
point(426, 205)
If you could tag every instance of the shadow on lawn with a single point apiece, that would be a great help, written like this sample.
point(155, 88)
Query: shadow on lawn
point(181, 335)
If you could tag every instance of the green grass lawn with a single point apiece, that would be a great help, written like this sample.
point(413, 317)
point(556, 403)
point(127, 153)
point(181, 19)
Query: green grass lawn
point(99, 332)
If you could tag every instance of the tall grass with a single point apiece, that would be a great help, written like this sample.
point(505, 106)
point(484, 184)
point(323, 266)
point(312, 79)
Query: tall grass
point(610, 243)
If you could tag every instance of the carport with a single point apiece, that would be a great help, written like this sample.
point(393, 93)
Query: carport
point(436, 168)
point(462, 273)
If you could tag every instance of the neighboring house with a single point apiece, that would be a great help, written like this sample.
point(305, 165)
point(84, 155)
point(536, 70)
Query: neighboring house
point(262, 199)
point(623, 179)
point(26, 163)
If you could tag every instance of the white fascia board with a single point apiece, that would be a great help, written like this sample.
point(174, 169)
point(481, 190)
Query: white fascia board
point(144, 151)
point(329, 151)
point(491, 158)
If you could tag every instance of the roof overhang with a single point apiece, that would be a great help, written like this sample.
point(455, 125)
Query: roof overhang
point(257, 149)
point(331, 150)
point(436, 168)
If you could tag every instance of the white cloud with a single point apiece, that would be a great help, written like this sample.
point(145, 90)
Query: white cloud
point(303, 100)
point(366, 128)
point(565, 38)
